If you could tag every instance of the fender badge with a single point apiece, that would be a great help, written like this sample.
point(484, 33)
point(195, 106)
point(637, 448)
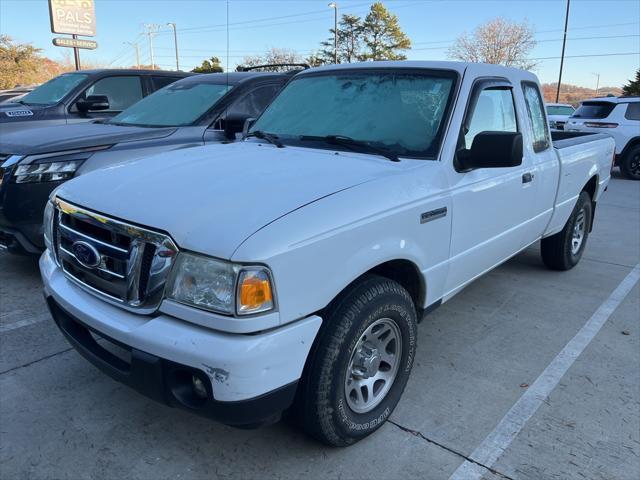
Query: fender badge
point(433, 214)
point(19, 113)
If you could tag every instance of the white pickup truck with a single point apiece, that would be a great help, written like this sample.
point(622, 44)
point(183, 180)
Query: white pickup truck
point(289, 271)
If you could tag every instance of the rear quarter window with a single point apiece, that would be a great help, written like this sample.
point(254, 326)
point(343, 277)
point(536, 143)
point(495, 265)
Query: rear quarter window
point(594, 110)
point(633, 111)
point(159, 82)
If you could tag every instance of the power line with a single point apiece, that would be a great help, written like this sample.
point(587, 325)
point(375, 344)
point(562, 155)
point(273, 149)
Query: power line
point(589, 55)
point(266, 19)
point(543, 41)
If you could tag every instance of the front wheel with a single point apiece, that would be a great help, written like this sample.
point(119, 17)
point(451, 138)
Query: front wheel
point(361, 364)
point(630, 164)
point(564, 250)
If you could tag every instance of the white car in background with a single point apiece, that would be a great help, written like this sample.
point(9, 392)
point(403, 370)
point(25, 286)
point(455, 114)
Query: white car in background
point(558, 114)
point(618, 117)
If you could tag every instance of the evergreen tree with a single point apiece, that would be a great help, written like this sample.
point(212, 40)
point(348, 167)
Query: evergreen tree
point(382, 36)
point(633, 87)
point(349, 41)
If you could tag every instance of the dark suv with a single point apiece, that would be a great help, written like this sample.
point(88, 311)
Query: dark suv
point(82, 96)
point(202, 109)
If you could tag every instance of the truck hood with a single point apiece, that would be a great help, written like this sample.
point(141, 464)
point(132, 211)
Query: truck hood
point(12, 112)
point(210, 199)
point(558, 118)
point(58, 138)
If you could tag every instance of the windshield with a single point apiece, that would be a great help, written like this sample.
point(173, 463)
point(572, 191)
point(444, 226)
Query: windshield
point(54, 90)
point(559, 110)
point(402, 112)
point(594, 110)
point(173, 106)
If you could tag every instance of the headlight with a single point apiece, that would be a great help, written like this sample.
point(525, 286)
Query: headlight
point(48, 225)
point(220, 286)
point(53, 166)
point(47, 171)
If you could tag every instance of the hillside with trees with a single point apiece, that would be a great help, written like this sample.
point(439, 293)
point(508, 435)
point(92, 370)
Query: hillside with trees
point(574, 94)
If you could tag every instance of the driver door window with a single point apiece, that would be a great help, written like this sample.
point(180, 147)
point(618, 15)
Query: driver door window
point(494, 112)
point(122, 92)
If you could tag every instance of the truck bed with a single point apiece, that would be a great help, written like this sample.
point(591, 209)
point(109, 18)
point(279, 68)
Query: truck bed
point(581, 156)
point(569, 139)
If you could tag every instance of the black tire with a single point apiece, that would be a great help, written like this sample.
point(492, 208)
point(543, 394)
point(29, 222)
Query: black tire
point(557, 250)
point(322, 405)
point(630, 164)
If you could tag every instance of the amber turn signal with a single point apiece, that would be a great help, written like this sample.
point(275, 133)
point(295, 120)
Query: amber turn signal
point(254, 291)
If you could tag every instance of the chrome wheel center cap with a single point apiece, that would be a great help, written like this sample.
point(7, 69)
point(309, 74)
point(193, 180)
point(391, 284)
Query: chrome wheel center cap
point(366, 362)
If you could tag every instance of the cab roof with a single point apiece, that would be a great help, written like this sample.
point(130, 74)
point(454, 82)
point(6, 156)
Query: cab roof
point(475, 69)
point(231, 78)
point(129, 71)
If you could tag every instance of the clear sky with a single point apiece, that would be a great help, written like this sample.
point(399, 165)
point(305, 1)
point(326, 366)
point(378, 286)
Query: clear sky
point(596, 27)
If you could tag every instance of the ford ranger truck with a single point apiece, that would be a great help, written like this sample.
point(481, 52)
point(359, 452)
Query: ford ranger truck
point(289, 271)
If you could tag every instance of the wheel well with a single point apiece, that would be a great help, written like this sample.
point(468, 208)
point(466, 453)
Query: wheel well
point(630, 144)
point(591, 186)
point(406, 274)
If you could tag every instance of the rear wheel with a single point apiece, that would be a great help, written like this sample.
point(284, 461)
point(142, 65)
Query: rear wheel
point(361, 362)
point(630, 165)
point(563, 250)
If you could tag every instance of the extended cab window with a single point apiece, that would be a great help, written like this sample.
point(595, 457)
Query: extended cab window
point(122, 92)
point(494, 112)
point(535, 109)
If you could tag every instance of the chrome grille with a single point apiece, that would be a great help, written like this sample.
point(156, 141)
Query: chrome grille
point(132, 262)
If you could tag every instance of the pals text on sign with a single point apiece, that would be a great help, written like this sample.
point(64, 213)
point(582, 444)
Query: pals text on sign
point(75, 17)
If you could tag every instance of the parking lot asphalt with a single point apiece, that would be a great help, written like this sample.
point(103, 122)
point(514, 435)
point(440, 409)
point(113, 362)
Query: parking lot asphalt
point(478, 355)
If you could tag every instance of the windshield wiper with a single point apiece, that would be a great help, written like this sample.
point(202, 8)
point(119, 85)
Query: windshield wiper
point(269, 137)
point(361, 146)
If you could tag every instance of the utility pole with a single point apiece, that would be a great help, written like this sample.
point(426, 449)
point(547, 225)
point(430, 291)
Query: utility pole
point(175, 42)
point(151, 31)
point(76, 53)
point(597, 82)
point(564, 42)
point(135, 45)
point(334, 5)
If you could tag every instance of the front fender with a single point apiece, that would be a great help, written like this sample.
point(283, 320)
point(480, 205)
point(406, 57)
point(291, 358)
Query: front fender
point(310, 269)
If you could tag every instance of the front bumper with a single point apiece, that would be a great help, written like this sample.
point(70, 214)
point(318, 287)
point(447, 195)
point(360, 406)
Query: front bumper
point(250, 379)
point(21, 210)
point(25, 240)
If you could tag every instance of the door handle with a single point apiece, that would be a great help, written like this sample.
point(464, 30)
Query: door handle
point(527, 177)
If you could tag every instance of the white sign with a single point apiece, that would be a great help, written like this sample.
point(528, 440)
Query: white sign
point(75, 17)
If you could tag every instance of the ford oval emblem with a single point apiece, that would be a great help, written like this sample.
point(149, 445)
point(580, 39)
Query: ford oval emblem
point(86, 254)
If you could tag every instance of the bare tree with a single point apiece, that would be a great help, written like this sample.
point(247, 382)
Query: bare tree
point(497, 41)
point(273, 56)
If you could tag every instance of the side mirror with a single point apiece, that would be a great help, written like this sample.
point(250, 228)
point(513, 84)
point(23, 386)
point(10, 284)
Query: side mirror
point(492, 150)
point(234, 124)
point(248, 123)
point(93, 103)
